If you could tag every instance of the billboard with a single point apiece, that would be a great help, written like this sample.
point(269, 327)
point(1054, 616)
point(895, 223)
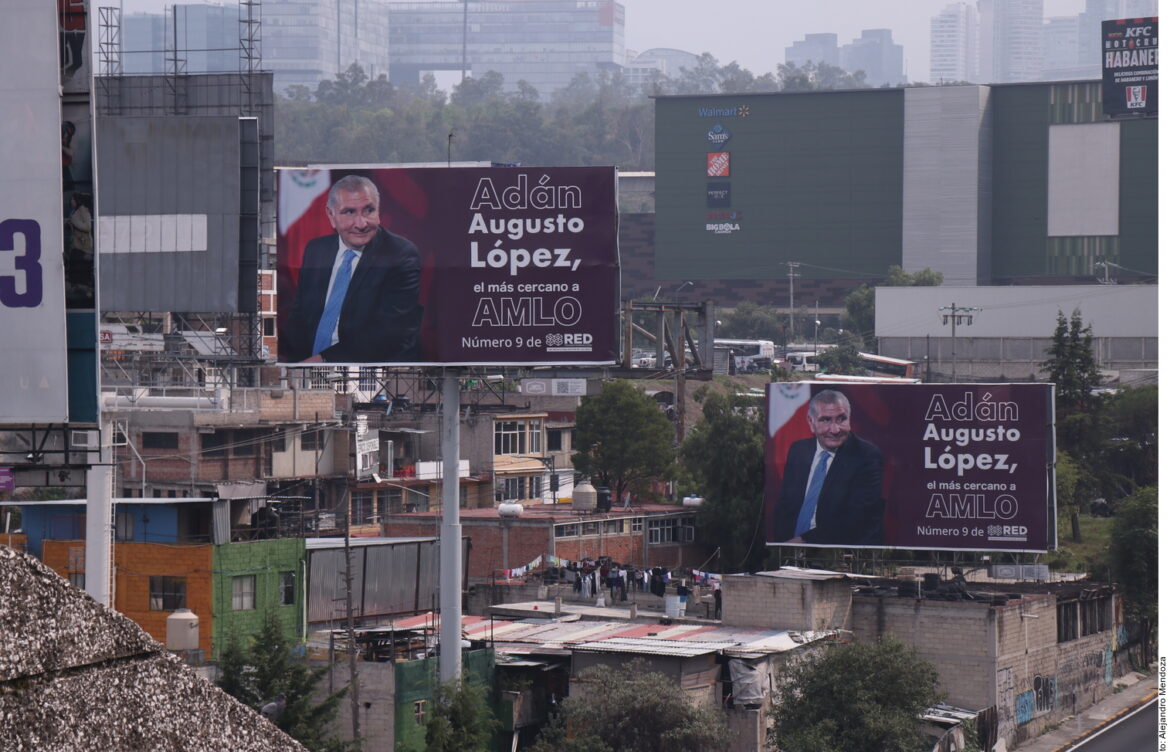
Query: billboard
point(447, 266)
point(1129, 66)
point(964, 467)
point(32, 269)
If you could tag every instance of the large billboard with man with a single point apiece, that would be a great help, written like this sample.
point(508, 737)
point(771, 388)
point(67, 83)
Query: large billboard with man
point(913, 466)
point(455, 266)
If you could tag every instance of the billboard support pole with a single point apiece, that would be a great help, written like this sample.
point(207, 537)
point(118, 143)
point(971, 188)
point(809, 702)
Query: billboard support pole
point(99, 511)
point(451, 537)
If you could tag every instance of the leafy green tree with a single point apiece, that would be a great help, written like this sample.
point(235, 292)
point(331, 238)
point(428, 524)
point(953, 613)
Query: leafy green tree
point(842, 360)
point(1072, 490)
point(860, 306)
point(753, 321)
point(460, 719)
point(725, 453)
point(1070, 364)
point(1133, 553)
point(623, 439)
point(1131, 451)
point(860, 697)
point(632, 709)
point(267, 669)
point(817, 76)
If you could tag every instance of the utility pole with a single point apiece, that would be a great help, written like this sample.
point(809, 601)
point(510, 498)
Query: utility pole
point(792, 275)
point(956, 315)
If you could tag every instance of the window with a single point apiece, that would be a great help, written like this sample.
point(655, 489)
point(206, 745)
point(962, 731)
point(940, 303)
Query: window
point(278, 441)
point(1095, 615)
point(160, 440)
point(554, 440)
point(636, 525)
point(615, 526)
point(420, 712)
point(361, 508)
point(269, 326)
point(566, 531)
point(213, 444)
point(319, 378)
point(509, 437)
point(510, 489)
point(244, 443)
point(1066, 621)
point(589, 528)
point(312, 440)
point(688, 529)
point(288, 588)
point(244, 592)
point(368, 379)
point(662, 531)
point(77, 580)
point(168, 593)
point(535, 430)
point(535, 487)
point(123, 526)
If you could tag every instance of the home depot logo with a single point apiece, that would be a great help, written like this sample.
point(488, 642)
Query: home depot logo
point(718, 164)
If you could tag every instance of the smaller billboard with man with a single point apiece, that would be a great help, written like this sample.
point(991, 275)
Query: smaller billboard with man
point(915, 466)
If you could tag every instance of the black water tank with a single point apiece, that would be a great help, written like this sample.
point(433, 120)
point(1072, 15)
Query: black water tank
point(603, 499)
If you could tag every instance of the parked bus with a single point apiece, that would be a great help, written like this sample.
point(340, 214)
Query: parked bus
point(883, 365)
point(749, 354)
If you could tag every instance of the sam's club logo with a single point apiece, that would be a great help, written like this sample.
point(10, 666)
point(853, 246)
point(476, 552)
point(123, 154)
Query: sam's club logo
point(718, 135)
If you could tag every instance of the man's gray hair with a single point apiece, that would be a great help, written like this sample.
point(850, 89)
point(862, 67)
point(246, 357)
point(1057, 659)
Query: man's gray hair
point(352, 184)
point(828, 397)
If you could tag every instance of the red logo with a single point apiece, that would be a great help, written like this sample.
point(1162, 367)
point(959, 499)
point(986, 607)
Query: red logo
point(718, 164)
point(1135, 97)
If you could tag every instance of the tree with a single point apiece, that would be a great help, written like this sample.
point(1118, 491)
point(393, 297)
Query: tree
point(842, 360)
point(860, 697)
point(266, 669)
point(635, 709)
point(1133, 554)
point(725, 453)
point(623, 439)
point(461, 719)
point(860, 305)
point(1071, 365)
point(1071, 484)
point(753, 321)
point(1131, 451)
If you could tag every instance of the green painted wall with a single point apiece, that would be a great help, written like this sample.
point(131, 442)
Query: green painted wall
point(266, 560)
point(814, 177)
point(416, 680)
point(1021, 247)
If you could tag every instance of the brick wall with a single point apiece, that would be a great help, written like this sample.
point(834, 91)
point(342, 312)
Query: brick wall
point(786, 603)
point(134, 563)
point(958, 638)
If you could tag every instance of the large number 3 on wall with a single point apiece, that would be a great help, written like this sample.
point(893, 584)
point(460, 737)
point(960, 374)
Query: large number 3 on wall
point(28, 264)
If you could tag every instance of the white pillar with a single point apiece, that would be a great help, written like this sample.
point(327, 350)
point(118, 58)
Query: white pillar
point(450, 539)
point(99, 514)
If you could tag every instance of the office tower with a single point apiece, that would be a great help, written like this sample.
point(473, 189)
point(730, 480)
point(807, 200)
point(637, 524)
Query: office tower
point(875, 53)
point(814, 48)
point(542, 42)
point(187, 39)
point(1009, 40)
point(954, 51)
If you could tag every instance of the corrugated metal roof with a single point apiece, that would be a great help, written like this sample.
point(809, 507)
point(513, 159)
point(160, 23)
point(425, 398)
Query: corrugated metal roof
point(319, 543)
point(653, 646)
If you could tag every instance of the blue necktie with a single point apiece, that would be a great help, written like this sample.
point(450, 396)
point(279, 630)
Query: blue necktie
point(332, 310)
point(804, 520)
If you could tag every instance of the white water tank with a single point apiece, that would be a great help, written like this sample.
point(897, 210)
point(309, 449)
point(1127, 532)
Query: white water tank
point(692, 501)
point(182, 630)
point(510, 509)
point(584, 497)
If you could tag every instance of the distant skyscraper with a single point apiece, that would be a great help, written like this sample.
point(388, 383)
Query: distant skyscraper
point(661, 61)
point(1062, 50)
point(814, 48)
point(875, 53)
point(306, 41)
point(193, 38)
point(542, 42)
point(954, 45)
point(1010, 40)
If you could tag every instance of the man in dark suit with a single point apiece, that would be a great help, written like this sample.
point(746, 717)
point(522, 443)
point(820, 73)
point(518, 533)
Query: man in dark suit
point(357, 294)
point(832, 487)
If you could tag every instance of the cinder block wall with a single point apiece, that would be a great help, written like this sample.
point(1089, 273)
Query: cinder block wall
point(786, 603)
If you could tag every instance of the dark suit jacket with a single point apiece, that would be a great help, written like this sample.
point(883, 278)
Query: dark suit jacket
point(380, 316)
point(850, 508)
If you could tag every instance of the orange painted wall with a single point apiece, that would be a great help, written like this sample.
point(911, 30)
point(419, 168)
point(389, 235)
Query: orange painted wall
point(134, 563)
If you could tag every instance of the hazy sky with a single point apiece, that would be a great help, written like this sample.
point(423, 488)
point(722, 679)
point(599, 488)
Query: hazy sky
point(754, 33)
